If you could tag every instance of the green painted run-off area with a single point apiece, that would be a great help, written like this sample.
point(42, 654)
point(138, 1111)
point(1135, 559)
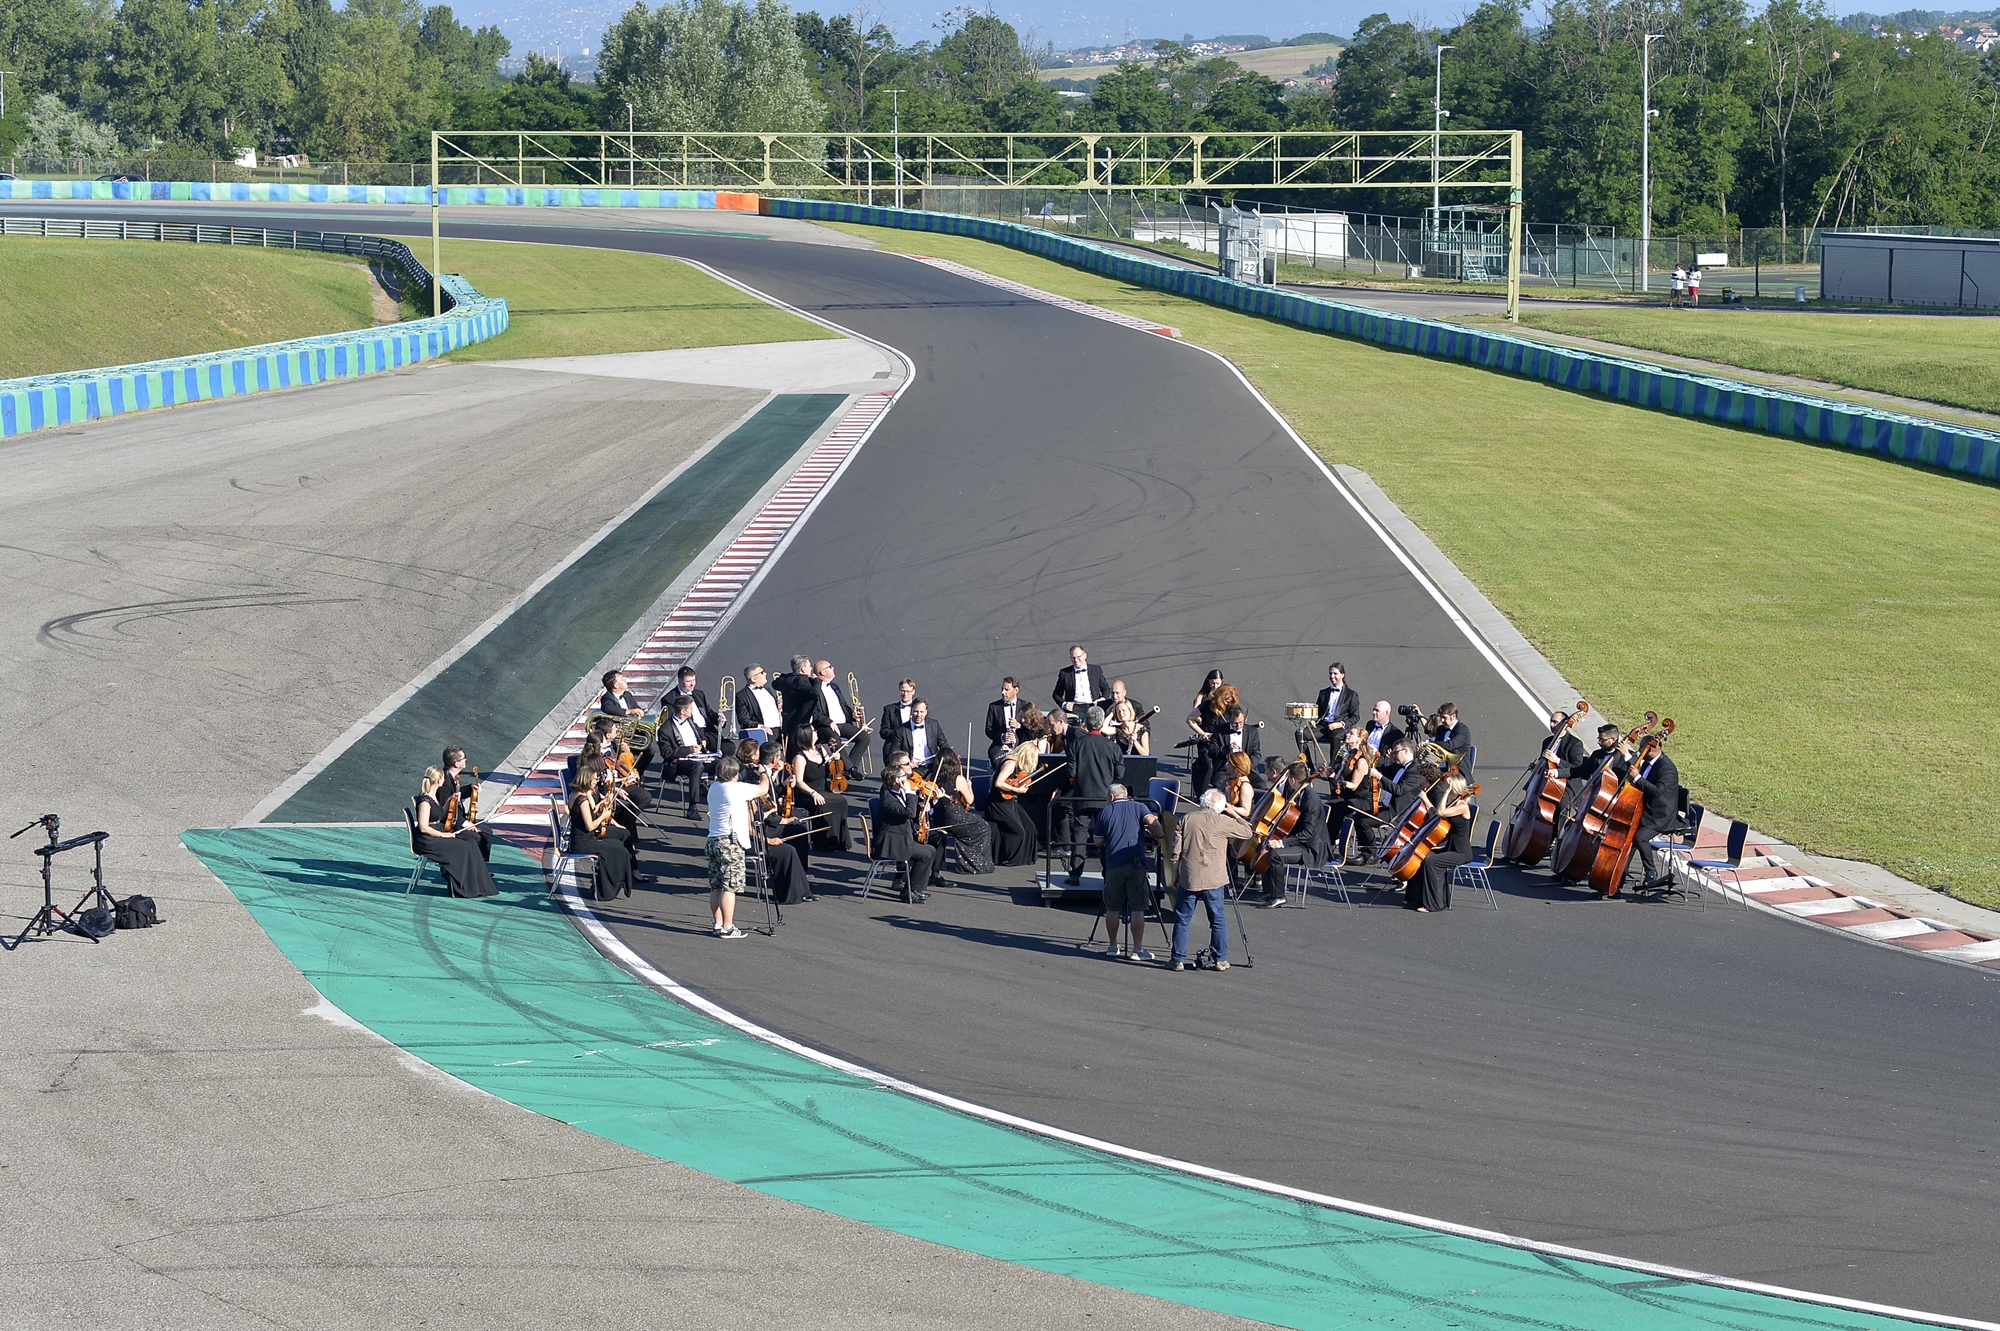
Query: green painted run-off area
point(507, 996)
point(499, 691)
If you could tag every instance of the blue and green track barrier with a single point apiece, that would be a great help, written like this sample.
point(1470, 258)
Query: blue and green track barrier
point(1962, 449)
point(51, 400)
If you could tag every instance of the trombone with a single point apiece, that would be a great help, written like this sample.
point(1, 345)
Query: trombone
point(725, 706)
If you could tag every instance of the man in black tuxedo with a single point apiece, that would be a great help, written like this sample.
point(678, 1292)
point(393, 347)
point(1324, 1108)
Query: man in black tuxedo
point(686, 685)
point(1571, 758)
point(799, 695)
point(1003, 721)
point(1380, 728)
point(1452, 735)
point(1081, 685)
point(1234, 735)
point(758, 706)
point(896, 830)
point(679, 740)
point(922, 739)
point(1096, 765)
point(896, 716)
point(1308, 843)
point(1339, 706)
point(1660, 782)
point(841, 720)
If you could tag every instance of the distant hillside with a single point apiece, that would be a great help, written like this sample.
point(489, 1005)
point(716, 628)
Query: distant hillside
point(1279, 61)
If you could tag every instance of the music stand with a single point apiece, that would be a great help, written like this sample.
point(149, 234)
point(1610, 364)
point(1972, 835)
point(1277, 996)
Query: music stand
point(45, 919)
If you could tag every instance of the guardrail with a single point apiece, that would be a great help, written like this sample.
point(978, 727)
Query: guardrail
point(1957, 448)
point(49, 400)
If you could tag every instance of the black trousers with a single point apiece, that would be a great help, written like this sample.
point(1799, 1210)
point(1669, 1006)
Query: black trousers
point(918, 870)
point(1274, 877)
point(1075, 833)
point(1651, 861)
point(688, 772)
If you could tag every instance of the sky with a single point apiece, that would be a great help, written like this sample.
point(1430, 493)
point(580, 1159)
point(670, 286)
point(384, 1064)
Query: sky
point(538, 25)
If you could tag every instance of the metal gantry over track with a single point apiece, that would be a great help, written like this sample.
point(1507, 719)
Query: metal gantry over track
point(1474, 165)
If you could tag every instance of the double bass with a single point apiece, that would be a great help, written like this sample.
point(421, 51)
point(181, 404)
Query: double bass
point(1533, 825)
point(1577, 850)
point(1409, 861)
point(1621, 824)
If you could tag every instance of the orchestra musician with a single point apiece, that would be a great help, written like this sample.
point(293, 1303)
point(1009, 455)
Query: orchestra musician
point(970, 835)
point(1082, 684)
point(681, 742)
point(1241, 784)
point(1659, 782)
point(1358, 786)
point(922, 738)
point(1430, 890)
point(1571, 758)
point(896, 716)
point(1014, 839)
point(617, 699)
point(799, 696)
point(460, 853)
point(1217, 696)
point(812, 756)
point(1381, 731)
point(1132, 735)
point(1581, 766)
point(594, 830)
point(1339, 706)
point(758, 706)
point(1451, 734)
point(1095, 766)
point(787, 868)
point(600, 755)
point(838, 722)
point(896, 830)
point(1307, 845)
point(1233, 735)
point(1003, 721)
point(688, 685)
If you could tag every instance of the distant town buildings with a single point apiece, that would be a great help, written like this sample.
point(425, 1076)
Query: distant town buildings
point(1139, 51)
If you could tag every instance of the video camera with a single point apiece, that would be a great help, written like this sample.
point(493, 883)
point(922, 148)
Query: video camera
point(1414, 718)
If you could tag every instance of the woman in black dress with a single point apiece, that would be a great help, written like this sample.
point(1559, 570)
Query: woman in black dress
point(1210, 706)
point(811, 758)
point(969, 832)
point(593, 831)
point(1430, 890)
point(1014, 842)
point(461, 854)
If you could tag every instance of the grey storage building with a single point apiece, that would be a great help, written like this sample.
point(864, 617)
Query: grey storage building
point(1910, 270)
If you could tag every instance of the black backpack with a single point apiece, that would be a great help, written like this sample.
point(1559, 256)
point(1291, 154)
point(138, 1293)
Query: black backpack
point(137, 912)
point(96, 922)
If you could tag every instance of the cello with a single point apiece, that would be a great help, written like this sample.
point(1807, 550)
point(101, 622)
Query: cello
point(1621, 823)
point(1409, 861)
point(1275, 817)
point(1578, 846)
point(1533, 825)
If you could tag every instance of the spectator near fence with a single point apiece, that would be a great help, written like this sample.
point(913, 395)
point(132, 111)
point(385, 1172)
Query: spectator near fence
point(1680, 284)
point(1694, 288)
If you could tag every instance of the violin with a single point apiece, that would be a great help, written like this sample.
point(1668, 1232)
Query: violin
point(1621, 822)
point(791, 788)
point(1533, 826)
point(928, 791)
point(1410, 860)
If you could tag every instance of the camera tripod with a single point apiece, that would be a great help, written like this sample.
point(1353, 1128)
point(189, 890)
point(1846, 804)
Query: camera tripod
point(52, 918)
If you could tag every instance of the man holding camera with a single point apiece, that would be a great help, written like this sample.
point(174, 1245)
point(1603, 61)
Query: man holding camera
point(1202, 872)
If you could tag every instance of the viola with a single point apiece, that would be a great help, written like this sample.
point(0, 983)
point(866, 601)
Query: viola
point(1533, 826)
point(1578, 846)
point(1409, 862)
point(1621, 823)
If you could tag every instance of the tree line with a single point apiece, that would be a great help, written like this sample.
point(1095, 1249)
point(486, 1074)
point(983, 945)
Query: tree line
point(1779, 116)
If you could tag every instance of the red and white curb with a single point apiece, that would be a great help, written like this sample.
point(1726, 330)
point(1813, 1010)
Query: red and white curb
point(523, 817)
point(1772, 881)
point(1050, 298)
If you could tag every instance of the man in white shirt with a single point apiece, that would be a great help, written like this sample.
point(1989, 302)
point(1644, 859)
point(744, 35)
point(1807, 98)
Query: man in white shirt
point(896, 717)
point(682, 744)
point(1081, 685)
point(729, 838)
point(844, 722)
point(757, 707)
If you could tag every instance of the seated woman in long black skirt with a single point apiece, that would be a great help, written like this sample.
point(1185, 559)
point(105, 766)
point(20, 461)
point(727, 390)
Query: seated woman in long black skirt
point(1430, 890)
point(970, 833)
point(594, 831)
point(1014, 841)
point(461, 853)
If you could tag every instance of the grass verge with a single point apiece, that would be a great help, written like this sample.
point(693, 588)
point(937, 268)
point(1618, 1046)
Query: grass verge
point(1933, 358)
point(80, 304)
point(569, 301)
point(1821, 624)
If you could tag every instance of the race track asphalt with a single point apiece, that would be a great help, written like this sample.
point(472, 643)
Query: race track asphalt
point(1720, 1090)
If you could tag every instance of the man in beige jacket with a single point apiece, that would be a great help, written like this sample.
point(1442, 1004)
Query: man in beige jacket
point(1202, 873)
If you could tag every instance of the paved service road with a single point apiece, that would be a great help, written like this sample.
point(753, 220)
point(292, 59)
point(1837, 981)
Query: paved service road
point(1718, 1090)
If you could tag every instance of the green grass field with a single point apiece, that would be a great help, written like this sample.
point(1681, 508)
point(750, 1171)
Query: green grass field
point(1821, 625)
point(568, 301)
point(1934, 358)
point(79, 304)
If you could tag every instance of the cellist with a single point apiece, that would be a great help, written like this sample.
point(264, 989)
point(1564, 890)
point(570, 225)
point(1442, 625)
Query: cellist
point(1307, 845)
point(1660, 782)
point(1430, 890)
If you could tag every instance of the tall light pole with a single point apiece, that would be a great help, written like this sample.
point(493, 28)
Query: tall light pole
point(1646, 161)
point(3, 92)
point(1437, 130)
point(631, 151)
point(896, 138)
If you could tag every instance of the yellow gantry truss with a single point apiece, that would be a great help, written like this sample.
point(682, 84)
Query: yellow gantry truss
point(1484, 160)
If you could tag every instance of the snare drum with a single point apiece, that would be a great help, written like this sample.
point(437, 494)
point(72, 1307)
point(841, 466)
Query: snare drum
point(1302, 711)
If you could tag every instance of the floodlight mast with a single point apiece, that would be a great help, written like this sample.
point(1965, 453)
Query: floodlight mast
point(1437, 130)
point(1646, 161)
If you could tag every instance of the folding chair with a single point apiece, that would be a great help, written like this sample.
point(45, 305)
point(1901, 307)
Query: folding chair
point(410, 817)
point(1164, 791)
point(1473, 872)
point(1677, 845)
point(1302, 878)
point(876, 864)
point(1739, 833)
point(563, 868)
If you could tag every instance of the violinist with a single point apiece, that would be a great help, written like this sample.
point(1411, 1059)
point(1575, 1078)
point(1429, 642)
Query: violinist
point(596, 756)
point(952, 813)
point(1216, 698)
point(1430, 890)
point(1659, 781)
point(1358, 788)
point(786, 866)
point(594, 830)
point(896, 832)
point(1003, 721)
point(812, 760)
point(460, 853)
point(1014, 839)
point(1307, 844)
point(1339, 706)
